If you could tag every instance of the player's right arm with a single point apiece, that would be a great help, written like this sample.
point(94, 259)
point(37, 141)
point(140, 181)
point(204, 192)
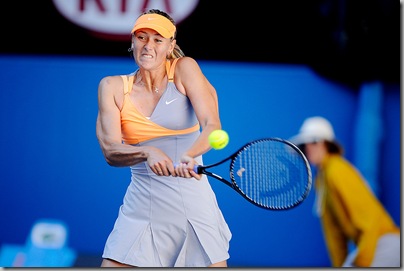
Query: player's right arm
point(109, 134)
point(108, 127)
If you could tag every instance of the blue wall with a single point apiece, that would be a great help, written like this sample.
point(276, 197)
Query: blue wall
point(52, 166)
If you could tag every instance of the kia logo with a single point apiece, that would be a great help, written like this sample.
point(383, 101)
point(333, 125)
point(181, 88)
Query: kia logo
point(116, 17)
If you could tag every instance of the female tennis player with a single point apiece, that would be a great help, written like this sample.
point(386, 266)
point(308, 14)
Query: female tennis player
point(149, 120)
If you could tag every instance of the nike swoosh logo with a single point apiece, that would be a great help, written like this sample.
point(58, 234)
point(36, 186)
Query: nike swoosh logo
point(168, 102)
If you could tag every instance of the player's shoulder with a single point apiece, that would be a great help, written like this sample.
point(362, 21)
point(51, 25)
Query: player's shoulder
point(186, 61)
point(187, 65)
point(110, 79)
point(111, 84)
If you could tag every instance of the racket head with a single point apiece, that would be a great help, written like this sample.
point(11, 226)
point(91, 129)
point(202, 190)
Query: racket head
point(272, 173)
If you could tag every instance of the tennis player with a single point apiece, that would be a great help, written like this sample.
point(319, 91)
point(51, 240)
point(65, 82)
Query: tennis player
point(149, 120)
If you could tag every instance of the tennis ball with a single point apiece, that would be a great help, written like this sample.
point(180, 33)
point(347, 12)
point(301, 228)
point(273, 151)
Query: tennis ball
point(218, 139)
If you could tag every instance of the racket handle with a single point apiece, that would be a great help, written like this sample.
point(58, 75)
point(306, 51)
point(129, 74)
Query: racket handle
point(196, 167)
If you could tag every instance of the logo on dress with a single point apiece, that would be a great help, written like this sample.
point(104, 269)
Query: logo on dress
point(168, 102)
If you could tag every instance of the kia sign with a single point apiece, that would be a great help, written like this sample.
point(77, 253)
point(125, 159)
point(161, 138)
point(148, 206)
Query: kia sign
point(116, 17)
point(354, 43)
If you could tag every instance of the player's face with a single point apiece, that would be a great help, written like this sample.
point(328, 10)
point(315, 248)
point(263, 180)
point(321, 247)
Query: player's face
point(150, 49)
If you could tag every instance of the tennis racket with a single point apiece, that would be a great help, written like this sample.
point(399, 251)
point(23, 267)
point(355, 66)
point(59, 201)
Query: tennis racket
point(271, 173)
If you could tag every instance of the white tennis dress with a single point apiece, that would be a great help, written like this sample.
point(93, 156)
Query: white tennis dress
point(167, 221)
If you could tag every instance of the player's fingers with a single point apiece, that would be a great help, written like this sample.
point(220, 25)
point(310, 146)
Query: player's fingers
point(161, 169)
point(195, 175)
point(157, 170)
point(183, 171)
point(171, 170)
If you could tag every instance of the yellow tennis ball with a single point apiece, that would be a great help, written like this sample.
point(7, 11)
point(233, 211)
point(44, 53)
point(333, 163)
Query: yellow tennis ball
point(218, 139)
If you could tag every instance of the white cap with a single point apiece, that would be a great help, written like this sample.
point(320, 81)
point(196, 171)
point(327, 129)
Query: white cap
point(314, 129)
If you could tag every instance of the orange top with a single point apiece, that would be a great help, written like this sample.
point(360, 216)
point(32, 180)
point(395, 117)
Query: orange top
point(136, 128)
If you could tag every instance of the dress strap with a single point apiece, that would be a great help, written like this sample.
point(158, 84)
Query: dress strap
point(170, 68)
point(131, 79)
point(127, 83)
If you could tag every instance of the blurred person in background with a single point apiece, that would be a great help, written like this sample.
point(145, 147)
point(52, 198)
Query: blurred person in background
point(349, 211)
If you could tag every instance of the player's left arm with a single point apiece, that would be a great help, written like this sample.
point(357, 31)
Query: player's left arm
point(191, 81)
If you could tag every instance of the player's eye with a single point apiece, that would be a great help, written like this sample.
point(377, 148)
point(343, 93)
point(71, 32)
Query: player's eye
point(140, 37)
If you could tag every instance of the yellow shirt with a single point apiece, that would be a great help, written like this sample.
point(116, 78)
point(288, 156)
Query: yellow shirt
point(349, 211)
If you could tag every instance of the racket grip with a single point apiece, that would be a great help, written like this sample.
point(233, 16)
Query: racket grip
point(195, 167)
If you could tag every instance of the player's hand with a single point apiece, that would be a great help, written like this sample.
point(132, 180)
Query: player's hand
point(185, 168)
point(160, 163)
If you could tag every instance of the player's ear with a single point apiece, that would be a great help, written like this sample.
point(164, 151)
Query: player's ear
point(173, 43)
point(171, 49)
point(130, 50)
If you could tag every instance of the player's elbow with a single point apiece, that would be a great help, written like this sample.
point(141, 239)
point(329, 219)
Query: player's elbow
point(211, 122)
point(111, 163)
point(107, 156)
point(108, 153)
point(213, 125)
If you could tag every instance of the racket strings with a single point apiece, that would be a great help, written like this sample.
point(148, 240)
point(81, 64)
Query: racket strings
point(272, 174)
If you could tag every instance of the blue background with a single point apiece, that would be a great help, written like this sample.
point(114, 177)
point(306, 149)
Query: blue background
point(52, 166)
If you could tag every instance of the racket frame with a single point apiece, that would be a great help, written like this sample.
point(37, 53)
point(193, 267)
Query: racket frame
point(201, 169)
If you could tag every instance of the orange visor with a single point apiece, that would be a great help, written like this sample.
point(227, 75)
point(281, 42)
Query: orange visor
point(156, 22)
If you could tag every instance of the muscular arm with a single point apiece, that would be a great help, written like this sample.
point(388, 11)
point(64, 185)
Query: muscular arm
point(192, 82)
point(108, 131)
